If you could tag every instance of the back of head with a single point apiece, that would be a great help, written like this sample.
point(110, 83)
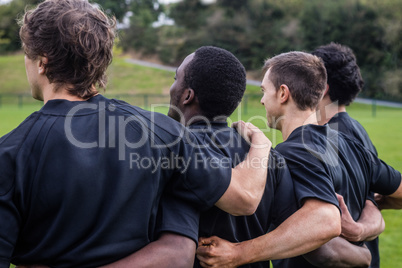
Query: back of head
point(77, 39)
point(304, 75)
point(344, 78)
point(218, 80)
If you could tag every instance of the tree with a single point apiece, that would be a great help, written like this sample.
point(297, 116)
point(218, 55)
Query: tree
point(353, 24)
point(117, 8)
point(9, 14)
point(141, 34)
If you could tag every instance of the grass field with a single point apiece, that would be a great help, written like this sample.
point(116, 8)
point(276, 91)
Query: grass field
point(385, 129)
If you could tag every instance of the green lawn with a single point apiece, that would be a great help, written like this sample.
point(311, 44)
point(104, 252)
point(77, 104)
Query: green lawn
point(385, 129)
point(124, 78)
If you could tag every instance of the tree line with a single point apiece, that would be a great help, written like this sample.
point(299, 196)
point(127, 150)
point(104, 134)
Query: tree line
point(255, 30)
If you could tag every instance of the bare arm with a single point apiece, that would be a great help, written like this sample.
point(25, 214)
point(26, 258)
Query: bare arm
point(369, 226)
point(249, 177)
point(339, 253)
point(170, 250)
point(393, 201)
point(311, 226)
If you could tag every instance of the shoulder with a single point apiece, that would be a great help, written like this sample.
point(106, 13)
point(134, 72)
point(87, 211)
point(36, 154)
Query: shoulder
point(312, 147)
point(158, 125)
point(278, 169)
point(18, 135)
point(300, 143)
point(276, 161)
point(10, 146)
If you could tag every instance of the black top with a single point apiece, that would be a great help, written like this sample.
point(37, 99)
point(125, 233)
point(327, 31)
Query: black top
point(323, 161)
point(345, 124)
point(80, 182)
point(352, 128)
point(277, 204)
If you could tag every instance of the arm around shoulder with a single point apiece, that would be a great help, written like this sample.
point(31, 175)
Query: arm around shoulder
point(310, 227)
point(314, 224)
point(339, 253)
point(248, 178)
point(170, 250)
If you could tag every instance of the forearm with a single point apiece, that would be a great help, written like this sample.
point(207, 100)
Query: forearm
point(248, 180)
point(170, 250)
point(251, 175)
point(372, 222)
point(387, 202)
point(308, 228)
point(339, 253)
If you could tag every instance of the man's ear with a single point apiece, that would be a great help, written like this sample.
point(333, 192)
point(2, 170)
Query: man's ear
point(283, 93)
point(189, 96)
point(42, 61)
point(326, 91)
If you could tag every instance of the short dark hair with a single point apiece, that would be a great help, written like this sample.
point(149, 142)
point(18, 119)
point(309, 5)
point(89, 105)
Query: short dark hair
point(218, 79)
point(344, 78)
point(76, 37)
point(303, 73)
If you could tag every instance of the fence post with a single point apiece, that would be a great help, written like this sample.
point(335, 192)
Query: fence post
point(245, 104)
point(145, 101)
point(20, 101)
point(374, 108)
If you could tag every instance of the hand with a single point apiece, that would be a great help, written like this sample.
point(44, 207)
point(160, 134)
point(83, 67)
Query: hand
point(380, 200)
point(217, 252)
point(251, 134)
point(351, 230)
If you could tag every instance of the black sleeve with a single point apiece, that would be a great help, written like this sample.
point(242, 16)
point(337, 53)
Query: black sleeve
point(203, 174)
point(385, 179)
point(309, 176)
point(9, 215)
point(177, 216)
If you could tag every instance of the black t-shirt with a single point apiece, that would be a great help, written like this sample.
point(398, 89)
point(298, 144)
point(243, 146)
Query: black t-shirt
point(343, 123)
point(277, 204)
point(80, 182)
point(323, 161)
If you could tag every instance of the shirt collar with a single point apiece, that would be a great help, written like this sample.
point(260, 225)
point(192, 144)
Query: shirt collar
point(65, 107)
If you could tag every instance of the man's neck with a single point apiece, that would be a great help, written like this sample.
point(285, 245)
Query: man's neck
point(205, 120)
point(50, 93)
point(295, 119)
point(330, 111)
point(192, 116)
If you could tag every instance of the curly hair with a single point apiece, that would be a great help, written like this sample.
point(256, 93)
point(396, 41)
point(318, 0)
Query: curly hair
point(218, 79)
point(344, 78)
point(77, 39)
point(303, 73)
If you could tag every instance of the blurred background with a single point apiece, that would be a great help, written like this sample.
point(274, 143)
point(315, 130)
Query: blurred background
point(153, 33)
point(165, 31)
